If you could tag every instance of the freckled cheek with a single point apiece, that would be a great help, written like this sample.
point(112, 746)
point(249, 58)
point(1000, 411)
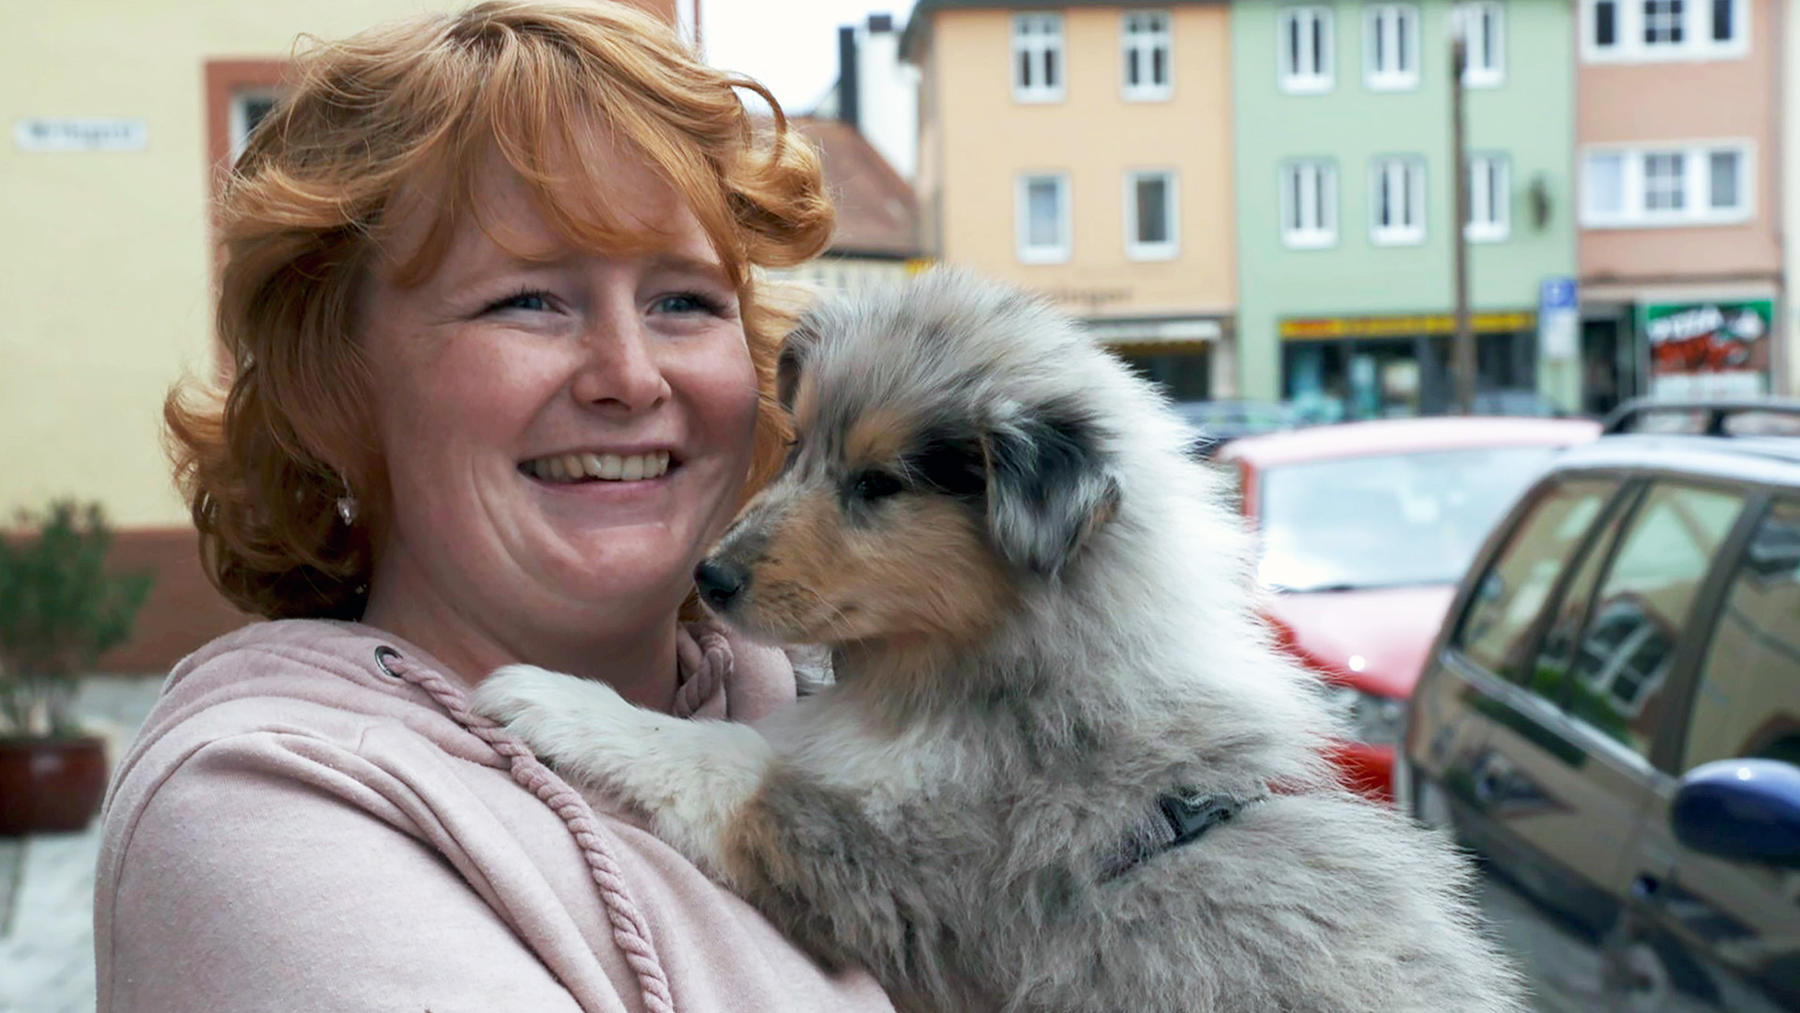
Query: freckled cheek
point(722, 392)
point(442, 409)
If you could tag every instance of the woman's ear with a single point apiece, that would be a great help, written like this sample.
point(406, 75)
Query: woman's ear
point(1050, 486)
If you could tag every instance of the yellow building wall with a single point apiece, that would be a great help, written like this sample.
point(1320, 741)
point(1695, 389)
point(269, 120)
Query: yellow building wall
point(105, 265)
point(104, 259)
point(978, 139)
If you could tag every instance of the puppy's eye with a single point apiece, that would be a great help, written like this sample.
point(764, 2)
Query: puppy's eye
point(874, 485)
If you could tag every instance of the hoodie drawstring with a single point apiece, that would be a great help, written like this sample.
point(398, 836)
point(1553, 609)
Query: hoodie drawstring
point(629, 930)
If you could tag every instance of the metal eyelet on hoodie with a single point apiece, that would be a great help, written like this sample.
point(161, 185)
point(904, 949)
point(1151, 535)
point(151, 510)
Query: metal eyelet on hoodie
point(383, 655)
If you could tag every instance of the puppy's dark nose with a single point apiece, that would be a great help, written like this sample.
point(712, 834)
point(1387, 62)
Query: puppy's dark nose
point(719, 583)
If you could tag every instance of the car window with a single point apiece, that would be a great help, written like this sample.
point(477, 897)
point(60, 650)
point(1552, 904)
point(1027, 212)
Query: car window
point(1499, 617)
point(1549, 675)
point(1386, 520)
point(1747, 701)
point(1616, 670)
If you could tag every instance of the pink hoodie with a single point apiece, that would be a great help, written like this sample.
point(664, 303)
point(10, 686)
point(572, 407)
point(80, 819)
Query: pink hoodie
point(300, 827)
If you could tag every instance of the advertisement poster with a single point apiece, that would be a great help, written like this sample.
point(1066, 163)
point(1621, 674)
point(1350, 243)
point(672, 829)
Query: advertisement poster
point(1708, 349)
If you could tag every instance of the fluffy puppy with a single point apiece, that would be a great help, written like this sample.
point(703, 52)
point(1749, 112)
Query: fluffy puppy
point(1062, 767)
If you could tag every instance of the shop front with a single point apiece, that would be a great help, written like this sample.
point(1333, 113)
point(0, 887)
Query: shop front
point(1368, 367)
point(1718, 349)
point(1177, 353)
point(1676, 347)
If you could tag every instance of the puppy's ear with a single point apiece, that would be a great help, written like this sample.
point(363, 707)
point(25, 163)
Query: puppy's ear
point(795, 349)
point(1050, 486)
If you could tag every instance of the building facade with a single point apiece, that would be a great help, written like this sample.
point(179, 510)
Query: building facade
point(120, 117)
point(1680, 135)
point(1789, 332)
point(875, 240)
point(1345, 180)
point(1084, 151)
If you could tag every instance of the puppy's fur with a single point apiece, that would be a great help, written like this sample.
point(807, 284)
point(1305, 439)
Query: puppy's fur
point(1041, 621)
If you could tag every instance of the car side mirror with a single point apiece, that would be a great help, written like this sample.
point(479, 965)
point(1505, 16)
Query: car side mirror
point(1747, 810)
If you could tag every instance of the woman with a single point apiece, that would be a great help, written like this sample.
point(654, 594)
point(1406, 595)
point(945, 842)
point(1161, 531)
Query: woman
point(498, 353)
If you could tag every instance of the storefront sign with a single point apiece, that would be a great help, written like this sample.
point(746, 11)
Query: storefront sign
point(1401, 326)
point(1711, 349)
point(81, 134)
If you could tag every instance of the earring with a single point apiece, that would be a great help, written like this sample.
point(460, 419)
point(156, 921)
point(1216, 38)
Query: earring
point(346, 505)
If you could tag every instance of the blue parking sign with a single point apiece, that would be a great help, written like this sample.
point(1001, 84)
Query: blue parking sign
point(1556, 294)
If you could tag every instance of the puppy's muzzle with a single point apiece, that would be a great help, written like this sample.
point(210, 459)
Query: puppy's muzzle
point(720, 582)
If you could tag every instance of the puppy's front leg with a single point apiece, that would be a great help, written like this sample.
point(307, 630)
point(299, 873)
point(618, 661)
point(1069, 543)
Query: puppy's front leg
point(691, 777)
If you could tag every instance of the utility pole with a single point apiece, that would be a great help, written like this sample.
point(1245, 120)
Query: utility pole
point(1462, 352)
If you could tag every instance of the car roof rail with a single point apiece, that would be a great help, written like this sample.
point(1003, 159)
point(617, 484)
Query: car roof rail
point(1749, 416)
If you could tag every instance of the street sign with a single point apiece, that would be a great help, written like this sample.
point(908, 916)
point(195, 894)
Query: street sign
point(81, 133)
point(1559, 319)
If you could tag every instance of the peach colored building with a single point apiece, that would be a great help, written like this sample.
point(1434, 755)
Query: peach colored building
point(1679, 156)
point(1084, 151)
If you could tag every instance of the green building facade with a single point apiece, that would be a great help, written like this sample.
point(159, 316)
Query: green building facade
point(1344, 168)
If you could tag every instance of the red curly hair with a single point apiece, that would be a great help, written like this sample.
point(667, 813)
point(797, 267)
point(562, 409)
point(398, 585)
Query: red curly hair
point(408, 113)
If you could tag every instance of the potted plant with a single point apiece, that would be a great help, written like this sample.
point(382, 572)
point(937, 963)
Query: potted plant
point(59, 611)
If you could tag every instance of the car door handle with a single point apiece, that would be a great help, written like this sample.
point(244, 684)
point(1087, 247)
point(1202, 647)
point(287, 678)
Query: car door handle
point(1644, 887)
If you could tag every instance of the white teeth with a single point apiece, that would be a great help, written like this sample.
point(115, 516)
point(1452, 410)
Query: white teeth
point(607, 467)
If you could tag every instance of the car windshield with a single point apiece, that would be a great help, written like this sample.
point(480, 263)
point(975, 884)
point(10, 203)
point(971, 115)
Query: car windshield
point(1385, 520)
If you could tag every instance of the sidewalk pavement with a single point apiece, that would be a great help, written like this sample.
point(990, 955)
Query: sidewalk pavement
point(47, 880)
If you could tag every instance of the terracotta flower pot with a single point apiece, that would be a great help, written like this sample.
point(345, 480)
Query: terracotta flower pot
point(50, 785)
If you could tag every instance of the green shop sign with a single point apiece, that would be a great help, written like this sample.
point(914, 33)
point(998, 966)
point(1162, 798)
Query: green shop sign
point(1708, 349)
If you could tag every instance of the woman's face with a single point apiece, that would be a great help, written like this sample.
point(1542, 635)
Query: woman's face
point(565, 432)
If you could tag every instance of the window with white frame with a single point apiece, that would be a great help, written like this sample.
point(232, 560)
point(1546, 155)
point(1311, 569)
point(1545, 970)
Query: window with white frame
point(1306, 45)
point(1391, 46)
point(1644, 30)
point(248, 107)
point(1147, 45)
point(1037, 48)
point(1043, 218)
point(1665, 22)
point(1484, 43)
point(1707, 184)
point(1150, 215)
point(1397, 201)
point(1490, 199)
point(1665, 182)
point(1309, 204)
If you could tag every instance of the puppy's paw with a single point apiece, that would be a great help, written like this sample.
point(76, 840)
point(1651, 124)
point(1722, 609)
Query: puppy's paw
point(554, 714)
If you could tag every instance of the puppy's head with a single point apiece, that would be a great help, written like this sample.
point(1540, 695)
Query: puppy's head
point(941, 467)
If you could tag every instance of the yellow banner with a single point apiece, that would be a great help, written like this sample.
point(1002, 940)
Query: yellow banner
point(1402, 325)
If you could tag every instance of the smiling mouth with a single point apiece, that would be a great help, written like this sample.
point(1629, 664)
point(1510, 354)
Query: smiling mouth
point(569, 469)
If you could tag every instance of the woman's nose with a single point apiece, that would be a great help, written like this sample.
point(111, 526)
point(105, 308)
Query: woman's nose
point(621, 370)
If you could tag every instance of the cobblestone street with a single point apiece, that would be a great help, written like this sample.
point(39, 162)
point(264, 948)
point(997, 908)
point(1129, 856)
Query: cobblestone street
point(47, 881)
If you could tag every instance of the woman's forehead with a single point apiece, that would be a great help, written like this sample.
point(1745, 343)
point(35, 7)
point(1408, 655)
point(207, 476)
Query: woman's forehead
point(623, 207)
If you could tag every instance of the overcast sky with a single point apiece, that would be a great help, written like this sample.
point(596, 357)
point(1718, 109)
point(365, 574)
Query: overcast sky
point(788, 45)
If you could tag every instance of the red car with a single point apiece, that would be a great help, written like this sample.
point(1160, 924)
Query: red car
point(1363, 531)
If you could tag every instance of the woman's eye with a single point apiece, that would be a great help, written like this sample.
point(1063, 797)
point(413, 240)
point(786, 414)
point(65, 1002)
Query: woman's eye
point(685, 302)
point(874, 485)
point(530, 302)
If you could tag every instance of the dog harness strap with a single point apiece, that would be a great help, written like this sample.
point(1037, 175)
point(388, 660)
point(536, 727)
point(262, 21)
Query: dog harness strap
point(1180, 817)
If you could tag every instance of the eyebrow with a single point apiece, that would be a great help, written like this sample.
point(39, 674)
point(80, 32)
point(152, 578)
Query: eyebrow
point(675, 261)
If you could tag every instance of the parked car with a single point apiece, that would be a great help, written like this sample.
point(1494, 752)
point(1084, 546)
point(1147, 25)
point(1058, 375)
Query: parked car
point(1363, 530)
point(1216, 423)
point(1610, 718)
point(1765, 416)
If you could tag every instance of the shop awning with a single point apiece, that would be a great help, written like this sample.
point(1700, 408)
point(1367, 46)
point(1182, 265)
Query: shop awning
point(1404, 325)
point(1160, 331)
